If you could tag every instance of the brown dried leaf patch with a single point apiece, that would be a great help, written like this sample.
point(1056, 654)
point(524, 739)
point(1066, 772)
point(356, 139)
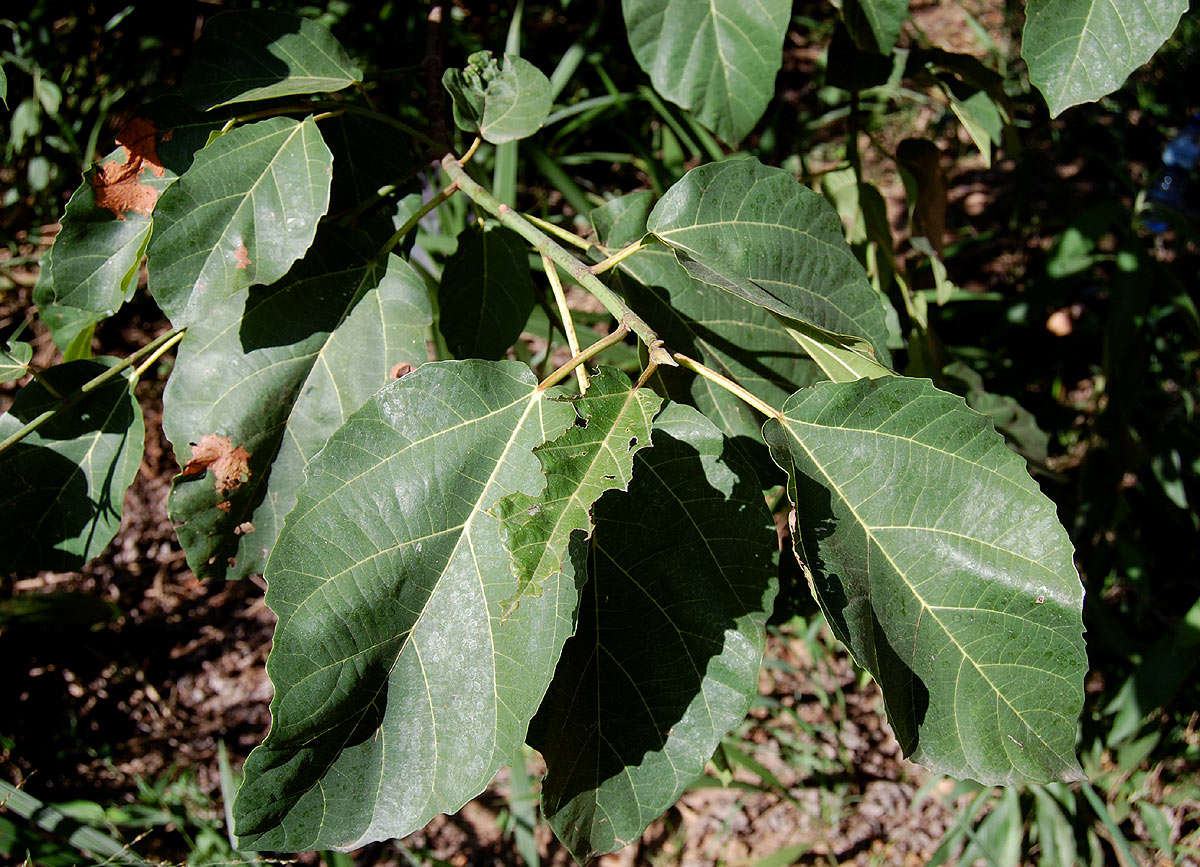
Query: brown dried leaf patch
point(230, 466)
point(116, 184)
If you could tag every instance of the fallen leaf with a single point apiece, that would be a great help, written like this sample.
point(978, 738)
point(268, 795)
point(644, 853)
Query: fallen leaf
point(400, 369)
point(116, 184)
point(229, 465)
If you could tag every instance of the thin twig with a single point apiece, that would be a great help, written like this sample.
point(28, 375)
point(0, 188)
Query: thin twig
point(728, 384)
point(575, 361)
point(156, 355)
point(411, 222)
point(568, 324)
point(85, 389)
point(561, 233)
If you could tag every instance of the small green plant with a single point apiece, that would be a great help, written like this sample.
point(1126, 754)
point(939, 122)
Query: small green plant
point(466, 556)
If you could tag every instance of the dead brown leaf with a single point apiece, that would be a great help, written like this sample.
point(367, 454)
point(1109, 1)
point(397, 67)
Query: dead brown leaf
point(229, 465)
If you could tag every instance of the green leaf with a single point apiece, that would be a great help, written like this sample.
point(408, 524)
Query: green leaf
point(3, 86)
point(1081, 50)
point(945, 571)
point(594, 456)
point(93, 263)
point(277, 369)
point(756, 232)
point(255, 54)
point(486, 293)
point(979, 117)
point(14, 360)
point(875, 24)
point(1018, 424)
point(71, 329)
point(717, 58)
point(399, 687)
point(671, 634)
point(245, 210)
point(500, 103)
point(730, 335)
point(62, 486)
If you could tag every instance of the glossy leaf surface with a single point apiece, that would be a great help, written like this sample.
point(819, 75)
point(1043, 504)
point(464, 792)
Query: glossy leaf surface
point(256, 54)
point(670, 639)
point(245, 210)
point(717, 58)
point(399, 687)
point(593, 456)
point(62, 487)
point(1081, 50)
point(755, 231)
point(945, 571)
point(277, 369)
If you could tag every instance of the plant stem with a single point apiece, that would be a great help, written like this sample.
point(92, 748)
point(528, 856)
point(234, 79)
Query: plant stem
point(559, 232)
point(89, 386)
point(156, 355)
point(544, 244)
point(728, 384)
point(568, 324)
point(411, 222)
point(618, 257)
point(561, 373)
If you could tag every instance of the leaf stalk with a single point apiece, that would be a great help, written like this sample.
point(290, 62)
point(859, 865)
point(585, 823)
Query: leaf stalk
point(561, 373)
point(618, 257)
point(728, 384)
point(564, 312)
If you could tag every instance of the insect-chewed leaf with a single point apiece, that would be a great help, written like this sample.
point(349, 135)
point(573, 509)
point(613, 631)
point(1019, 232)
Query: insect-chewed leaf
point(755, 231)
point(1081, 50)
point(681, 578)
point(245, 210)
point(945, 571)
point(716, 57)
point(501, 103)
point(594, 456)
point(62, 486)
point(275, 370)
point(725, 332)
point(256, 54)
point(400, 689)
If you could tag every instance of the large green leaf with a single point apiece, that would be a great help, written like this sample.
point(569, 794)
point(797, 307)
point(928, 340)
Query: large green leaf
point(875, 24)
point(277, 369)
point(716, 57)
point(730, 335)
point(486, 294)
point(400, 689)
point(94, 260)
point(1081, 50)
point(501, 103)
point(755, 231)
point(245, 210)
point(594, 456)
point(255, 54)
point(62, 486)
point(671, 632)
point(945, 571)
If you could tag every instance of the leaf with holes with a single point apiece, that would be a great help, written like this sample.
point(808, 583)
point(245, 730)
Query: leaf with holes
point(400, 689)
point(63, 486)
point(945, 571)
point(245, 210)
point(681, 578)
point(594, 456)
point(501, 103)
point(717, 58)
point(276, 370)
point(1081, 50)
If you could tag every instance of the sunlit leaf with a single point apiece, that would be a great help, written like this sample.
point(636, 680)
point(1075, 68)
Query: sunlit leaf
point(400, 689)
point(945, 571)
point(501, 103)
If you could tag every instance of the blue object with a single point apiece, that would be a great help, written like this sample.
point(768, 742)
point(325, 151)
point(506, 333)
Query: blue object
point(1171, 185)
